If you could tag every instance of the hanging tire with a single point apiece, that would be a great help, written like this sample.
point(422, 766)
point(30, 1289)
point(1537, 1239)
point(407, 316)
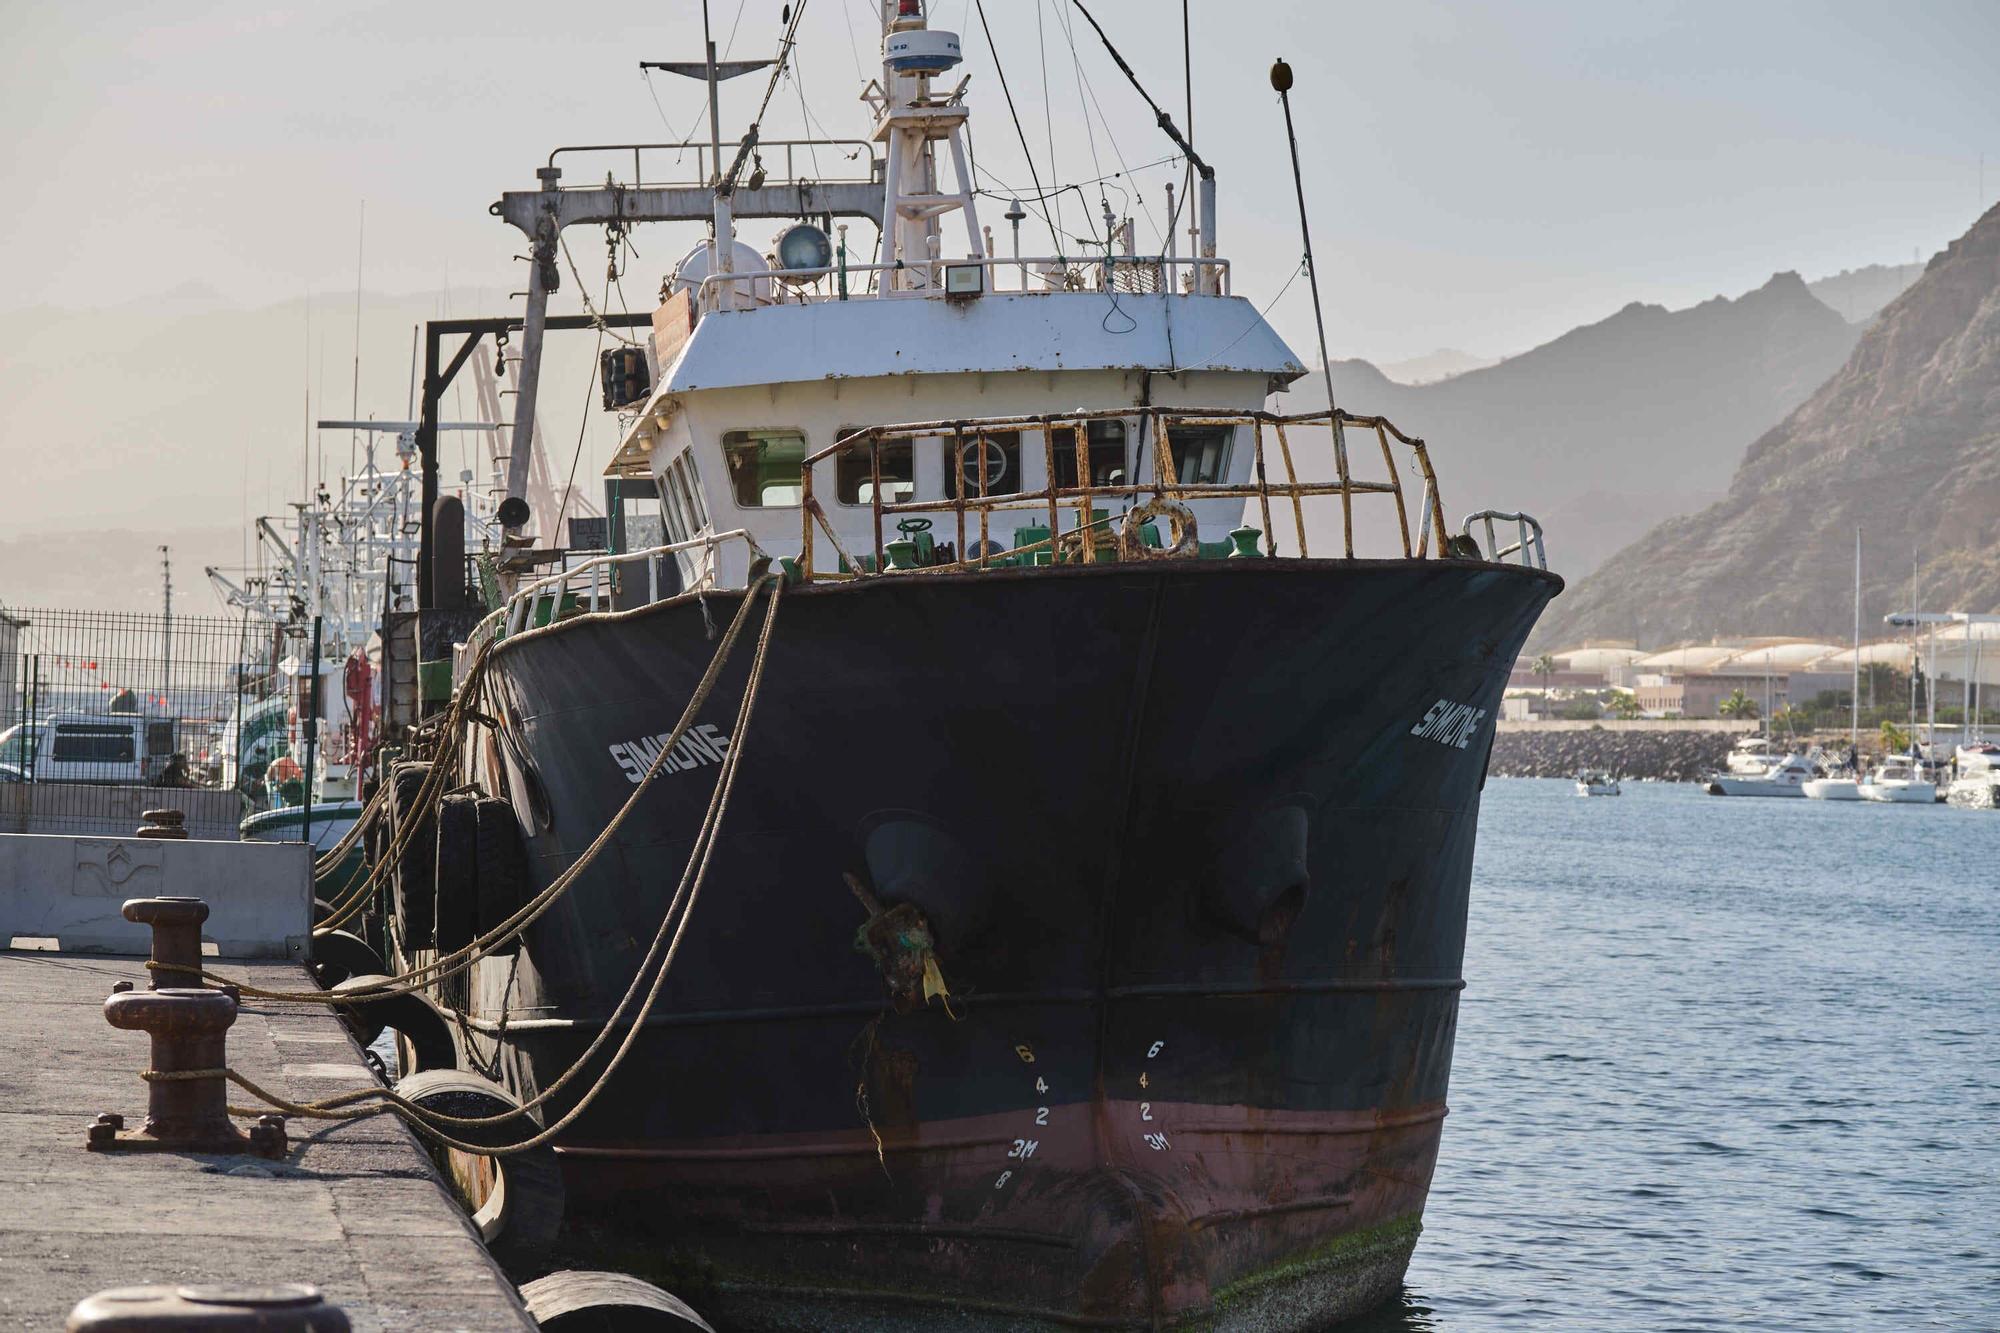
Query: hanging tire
point(517, 1201)
point(503, 863)
point(426, 1033)
point(456, 874)
point(593, 1302)
point(340, 954)
point(415, 888)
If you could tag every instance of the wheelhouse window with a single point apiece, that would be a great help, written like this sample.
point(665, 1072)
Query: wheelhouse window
point(766, 467)
point(854, 471)
point(682, 506)
point(1002, 466)
point(1107, 454)
point(1201, 453)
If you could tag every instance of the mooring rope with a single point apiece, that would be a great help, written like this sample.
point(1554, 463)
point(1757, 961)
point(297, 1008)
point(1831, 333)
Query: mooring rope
point(673, 926)
point(459, 960)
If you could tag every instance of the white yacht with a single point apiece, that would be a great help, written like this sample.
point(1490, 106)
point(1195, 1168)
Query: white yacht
point(1834, 787)
point(1840, 782)
point(1752, 755)
point(1899, 782)
point(1977, 786)
point(1596, 782)
point(1786, 777)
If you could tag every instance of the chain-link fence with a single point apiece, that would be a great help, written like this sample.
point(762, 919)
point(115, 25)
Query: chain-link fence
point(106, 714)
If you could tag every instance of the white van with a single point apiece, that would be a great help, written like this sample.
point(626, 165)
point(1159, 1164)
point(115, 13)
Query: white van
point(118, 749)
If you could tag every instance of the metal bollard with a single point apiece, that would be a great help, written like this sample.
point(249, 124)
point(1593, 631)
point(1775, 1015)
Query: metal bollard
point(176, 924)
point(163, 824)
point(289, 1308)
point(189, 1026)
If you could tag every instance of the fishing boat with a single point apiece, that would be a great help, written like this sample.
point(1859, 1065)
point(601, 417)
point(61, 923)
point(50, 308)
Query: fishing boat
point(1085, 901)
point(1596, 782)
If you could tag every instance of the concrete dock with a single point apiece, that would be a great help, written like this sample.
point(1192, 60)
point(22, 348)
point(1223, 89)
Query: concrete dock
point(356, 1208)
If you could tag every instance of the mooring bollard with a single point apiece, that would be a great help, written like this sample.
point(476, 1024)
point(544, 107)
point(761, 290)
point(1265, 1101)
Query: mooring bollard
point(176, 924)
point(163, 824)
point(186, 1091)
point(289, 1308)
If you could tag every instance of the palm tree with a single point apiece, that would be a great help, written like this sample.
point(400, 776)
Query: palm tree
point(1626, 707)
point(1738, 705)
point(1894, 739)
point(1544, 666)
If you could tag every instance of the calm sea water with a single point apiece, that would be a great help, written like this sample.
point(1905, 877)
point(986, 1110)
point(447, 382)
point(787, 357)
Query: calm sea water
point(1722, 1064)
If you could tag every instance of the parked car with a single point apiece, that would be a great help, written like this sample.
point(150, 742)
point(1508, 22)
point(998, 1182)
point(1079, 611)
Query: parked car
point(114, 749)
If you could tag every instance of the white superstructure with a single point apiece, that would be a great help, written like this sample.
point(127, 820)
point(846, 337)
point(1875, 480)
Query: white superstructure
point(759, 365)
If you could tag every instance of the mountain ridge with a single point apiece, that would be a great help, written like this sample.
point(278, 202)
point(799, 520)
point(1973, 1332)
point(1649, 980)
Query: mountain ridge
point(1903, 442)
point(1648, 408)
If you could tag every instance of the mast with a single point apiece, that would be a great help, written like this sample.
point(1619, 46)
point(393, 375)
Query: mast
point(1854, 699)
point(722, 246)
point(911, 121)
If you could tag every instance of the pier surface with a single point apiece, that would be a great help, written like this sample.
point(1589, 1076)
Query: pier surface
point(355, 1209)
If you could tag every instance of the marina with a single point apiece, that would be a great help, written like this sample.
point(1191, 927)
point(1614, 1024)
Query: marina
point(983, 782)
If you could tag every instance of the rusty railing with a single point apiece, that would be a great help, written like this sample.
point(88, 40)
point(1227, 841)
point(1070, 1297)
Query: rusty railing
point(1155, 427)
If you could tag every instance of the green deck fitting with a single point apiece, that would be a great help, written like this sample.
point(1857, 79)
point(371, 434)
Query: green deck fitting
point(434, 680)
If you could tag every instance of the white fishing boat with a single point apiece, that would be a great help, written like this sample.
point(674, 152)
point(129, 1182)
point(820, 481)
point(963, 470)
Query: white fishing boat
point(1596, 782)
point(1787, 777)
point(1899, 782)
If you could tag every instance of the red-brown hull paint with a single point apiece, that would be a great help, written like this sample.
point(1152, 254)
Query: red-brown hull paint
point(1235, 1194)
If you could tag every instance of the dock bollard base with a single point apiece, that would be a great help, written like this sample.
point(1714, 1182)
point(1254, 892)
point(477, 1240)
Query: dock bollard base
point(267, 1138)
point(291, 1308)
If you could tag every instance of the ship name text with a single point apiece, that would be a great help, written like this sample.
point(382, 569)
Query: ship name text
point(1450, 724)
point(702, 745)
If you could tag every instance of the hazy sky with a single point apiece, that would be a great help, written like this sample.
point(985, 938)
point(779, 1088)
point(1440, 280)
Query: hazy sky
point(1481, 175)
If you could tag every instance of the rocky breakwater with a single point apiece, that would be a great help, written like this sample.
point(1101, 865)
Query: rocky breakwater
point(1670, 756)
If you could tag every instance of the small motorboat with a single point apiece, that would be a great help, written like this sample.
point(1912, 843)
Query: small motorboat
point(1899, 783)
point(1787, 777)
point(1596, 782)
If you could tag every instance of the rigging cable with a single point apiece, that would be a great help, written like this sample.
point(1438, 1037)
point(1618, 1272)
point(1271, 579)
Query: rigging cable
point(1055, 237)
point(1165, 121)
point(1048, 120)
point(583, 426)
point(748, 144)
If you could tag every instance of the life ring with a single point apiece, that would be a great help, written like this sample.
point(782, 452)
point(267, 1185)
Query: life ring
point(1131, 539)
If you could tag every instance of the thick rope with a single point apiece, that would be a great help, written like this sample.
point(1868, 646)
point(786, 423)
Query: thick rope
point(328, 861)
point(429, 793)
point(342, 1106)
point(458, 961)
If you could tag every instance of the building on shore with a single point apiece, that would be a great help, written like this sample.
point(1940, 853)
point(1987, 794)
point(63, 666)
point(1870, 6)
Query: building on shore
point(1693, 680)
